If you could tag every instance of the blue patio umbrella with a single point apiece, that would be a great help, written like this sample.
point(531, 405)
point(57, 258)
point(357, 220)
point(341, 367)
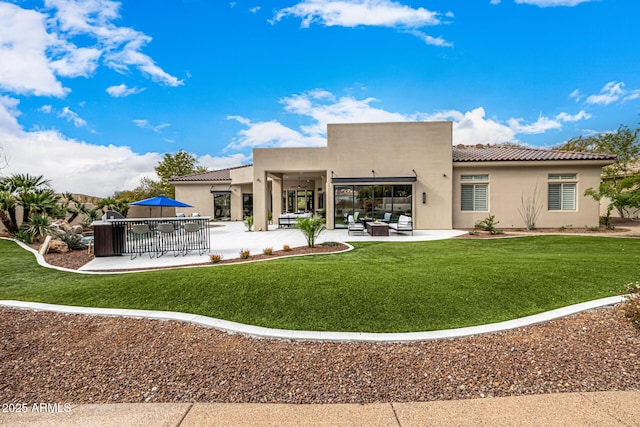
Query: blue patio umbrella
point(162, 201)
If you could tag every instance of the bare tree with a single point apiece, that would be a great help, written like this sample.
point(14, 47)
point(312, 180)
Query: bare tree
point(531, 208)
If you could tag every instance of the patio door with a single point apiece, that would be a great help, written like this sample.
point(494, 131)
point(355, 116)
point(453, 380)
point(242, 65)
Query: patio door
point(222, 205)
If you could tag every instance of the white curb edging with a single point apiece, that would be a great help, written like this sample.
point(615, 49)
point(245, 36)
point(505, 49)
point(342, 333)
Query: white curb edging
point(262, 332)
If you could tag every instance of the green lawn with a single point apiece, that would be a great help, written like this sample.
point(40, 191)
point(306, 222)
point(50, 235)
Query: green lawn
point(378, 287)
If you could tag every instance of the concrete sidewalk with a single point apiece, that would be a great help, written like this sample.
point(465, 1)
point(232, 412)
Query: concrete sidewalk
point(570, 409)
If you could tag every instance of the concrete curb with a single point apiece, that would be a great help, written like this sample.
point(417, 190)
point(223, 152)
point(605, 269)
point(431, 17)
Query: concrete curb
point(262, 332)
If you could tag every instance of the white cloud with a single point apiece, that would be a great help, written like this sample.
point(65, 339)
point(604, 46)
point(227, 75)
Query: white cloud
point(24, 66)
point(565, 117)
point(71, 165)
point(434, 41)
point(634, 94)
point(46, 109)
point(214, 163)
point(576, 95)
point(38, 46)
point(354, 13)
point(495, 2)
point(610, 93)
point(551, 3)
point(320, 108)
point(144, 124)
point(72, 117)
point(473, 127)
point(121, 90)
point(255, 10)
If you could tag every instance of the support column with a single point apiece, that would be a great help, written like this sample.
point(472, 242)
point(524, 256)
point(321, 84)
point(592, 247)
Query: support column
point(276, 194)
point(260, 201)
point(329, 202)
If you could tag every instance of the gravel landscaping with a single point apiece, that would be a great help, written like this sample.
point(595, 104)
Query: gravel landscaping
point(49, 357)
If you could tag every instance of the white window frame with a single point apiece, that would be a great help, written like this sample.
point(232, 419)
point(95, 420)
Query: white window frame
point(564, 187)
point(479, 188)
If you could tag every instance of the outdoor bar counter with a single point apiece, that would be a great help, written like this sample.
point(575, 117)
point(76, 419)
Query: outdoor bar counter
point(152, 236)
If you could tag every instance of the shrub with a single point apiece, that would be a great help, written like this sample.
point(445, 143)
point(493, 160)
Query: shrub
point(311, 228)
point(473, 233)
point(73, 240)
point(23, 236)
point(248, 221)
point(267, 251)
point(38, 225)
point(330, 244)
point(215, 258)
point(594, 228)
point(286, 248)
point(631, 305)
point(244, 253)
point(488, 224)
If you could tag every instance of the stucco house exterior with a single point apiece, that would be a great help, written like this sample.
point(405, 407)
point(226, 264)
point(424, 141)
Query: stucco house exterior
point(402, 169)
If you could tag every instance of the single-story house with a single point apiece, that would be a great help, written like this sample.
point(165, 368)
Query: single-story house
point(412, 169)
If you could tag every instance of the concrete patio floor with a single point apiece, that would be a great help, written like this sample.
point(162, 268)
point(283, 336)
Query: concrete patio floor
point(228, 238)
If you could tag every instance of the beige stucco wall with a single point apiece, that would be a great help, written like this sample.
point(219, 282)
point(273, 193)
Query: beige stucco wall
point(507, 183)
point(354, 150)
point(198, 195)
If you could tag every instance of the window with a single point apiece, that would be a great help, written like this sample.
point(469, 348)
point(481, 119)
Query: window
point(562, 192)
point(475, 193)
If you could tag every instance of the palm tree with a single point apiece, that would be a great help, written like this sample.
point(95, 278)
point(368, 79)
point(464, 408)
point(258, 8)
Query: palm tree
point(29, 191)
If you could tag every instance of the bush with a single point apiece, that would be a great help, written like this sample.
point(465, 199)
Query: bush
point(244, 253)
point(631, 305)
point(73, 240)
point(267, 251)
point(330, 244)
point(215, 258)
point(311, 228)
point(23, 236)
point(248, 221)
point(488, 224)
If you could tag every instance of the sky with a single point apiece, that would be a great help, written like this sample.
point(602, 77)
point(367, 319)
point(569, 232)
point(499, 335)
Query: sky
point(93, 93)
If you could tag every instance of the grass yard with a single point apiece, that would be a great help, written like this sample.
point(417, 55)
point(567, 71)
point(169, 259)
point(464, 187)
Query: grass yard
point(378, 287)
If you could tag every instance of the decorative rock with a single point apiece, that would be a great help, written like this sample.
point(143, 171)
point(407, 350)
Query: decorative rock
point(77, 229)
point(58, 246)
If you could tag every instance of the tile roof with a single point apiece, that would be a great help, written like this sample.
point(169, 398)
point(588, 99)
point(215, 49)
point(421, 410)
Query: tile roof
point(471, 153)
point(216, 175)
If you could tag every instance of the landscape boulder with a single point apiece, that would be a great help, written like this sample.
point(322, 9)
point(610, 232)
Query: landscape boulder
point(58, 246)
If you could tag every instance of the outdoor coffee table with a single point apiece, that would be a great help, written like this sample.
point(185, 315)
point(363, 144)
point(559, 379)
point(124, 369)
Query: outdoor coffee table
point(377, 228)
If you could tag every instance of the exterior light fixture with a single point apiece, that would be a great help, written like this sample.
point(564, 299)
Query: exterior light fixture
point(424, 198)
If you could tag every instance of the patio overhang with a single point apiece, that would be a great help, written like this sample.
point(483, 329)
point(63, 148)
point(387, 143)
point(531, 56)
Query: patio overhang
point(355, 180)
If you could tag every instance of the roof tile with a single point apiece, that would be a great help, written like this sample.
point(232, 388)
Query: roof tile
point(506, 154)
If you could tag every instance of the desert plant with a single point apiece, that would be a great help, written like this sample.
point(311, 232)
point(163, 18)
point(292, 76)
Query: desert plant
point(267, 251)
point(73, 240)
point(38, 225)
point(488, 224)
point(215, 258)
point(592, 228)
point(530, 209)
point(286, 248)
point(245, 253)
point(311, 228)
point(631, 305)
point(331, 244)
point(606, 219)
point(23, 236)
point(248, 221)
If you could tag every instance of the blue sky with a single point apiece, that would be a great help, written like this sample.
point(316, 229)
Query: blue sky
point(94, 92)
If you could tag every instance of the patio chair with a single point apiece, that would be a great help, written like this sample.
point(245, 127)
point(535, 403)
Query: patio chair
point(404, 225)
point(355, 226)
point(387, 217)
point(194, 238)
point(167, 239)
point(142, 240)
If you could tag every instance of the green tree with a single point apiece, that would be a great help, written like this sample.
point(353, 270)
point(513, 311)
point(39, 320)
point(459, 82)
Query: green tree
point(621, 180)
point(178, 164)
